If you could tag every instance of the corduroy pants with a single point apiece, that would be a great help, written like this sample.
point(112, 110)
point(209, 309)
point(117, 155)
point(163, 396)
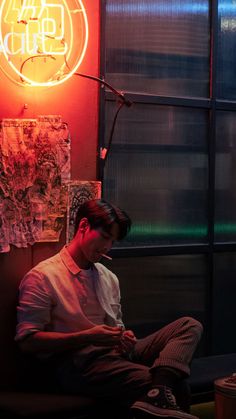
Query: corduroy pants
point(99, 372)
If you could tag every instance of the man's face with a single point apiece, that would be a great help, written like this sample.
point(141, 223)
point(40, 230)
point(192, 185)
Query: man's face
point(95, 242)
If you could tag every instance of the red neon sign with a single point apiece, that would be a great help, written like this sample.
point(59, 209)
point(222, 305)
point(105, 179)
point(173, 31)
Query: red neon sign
point(42, 42)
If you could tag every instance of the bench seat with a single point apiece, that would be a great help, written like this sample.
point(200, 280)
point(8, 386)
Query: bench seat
point(205, 370)
point(35, 405)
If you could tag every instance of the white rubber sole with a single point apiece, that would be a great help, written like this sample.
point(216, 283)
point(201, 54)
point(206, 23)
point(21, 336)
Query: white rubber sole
point(160, 413)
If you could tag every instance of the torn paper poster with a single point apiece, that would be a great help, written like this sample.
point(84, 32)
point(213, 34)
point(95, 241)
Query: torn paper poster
point(53, 215)
point(34, 164)
point(79, 192)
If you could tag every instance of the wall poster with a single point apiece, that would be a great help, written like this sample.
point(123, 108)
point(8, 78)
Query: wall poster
point(34, 176)
point(78, 192)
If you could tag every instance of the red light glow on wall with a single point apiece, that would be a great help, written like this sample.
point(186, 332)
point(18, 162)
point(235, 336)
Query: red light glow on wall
point(42, 43)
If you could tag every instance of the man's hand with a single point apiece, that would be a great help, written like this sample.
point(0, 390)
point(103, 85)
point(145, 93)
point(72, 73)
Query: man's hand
point(103, 335)
point(127, 342)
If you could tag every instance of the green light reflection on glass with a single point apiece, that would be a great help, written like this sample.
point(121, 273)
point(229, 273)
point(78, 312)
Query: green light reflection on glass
point(184, 231)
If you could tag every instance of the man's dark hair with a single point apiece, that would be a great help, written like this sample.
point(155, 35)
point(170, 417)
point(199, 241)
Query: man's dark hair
point(102, 214)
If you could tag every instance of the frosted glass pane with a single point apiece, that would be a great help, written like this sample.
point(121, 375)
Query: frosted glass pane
point(225, 186)
point(224, 307)
point(158, 171)
point(226, 80)
point(159, 47)
point(156, 290)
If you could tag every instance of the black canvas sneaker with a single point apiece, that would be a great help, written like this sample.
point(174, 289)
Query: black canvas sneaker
point(159, 402)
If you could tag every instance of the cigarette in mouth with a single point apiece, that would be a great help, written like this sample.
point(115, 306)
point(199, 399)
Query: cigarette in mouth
point(106, 256)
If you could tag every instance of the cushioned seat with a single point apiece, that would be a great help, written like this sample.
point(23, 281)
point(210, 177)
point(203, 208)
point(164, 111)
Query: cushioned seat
point(205, 370)
point(36, 395)
point(41, 405)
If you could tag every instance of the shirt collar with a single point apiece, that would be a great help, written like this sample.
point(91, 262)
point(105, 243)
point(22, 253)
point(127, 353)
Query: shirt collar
point(69, 261)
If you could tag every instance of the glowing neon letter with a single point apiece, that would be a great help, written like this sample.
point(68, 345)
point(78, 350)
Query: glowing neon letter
point(43, 25)
point(6, 43)
point(39, 29)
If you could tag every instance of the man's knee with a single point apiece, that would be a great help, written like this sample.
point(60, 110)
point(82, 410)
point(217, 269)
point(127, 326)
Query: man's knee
point(194, 325)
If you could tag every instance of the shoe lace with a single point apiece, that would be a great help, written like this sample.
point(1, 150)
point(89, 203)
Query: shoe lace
point(171, 398)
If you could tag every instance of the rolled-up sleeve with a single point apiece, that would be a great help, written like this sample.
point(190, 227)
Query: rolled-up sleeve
point(34, 306)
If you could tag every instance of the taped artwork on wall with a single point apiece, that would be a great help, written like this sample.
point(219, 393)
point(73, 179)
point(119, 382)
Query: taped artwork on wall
point(79, 192)
point(34, 168)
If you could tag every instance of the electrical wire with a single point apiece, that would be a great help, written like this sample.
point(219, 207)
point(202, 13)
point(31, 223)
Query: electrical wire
point(112, 131)
point(115, 91)
point(123, 101)
point(32, 57)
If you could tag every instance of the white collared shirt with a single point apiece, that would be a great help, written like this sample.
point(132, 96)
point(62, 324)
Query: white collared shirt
point(50, 299)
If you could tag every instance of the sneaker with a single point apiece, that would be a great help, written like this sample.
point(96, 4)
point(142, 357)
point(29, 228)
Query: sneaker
point(159, 402)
